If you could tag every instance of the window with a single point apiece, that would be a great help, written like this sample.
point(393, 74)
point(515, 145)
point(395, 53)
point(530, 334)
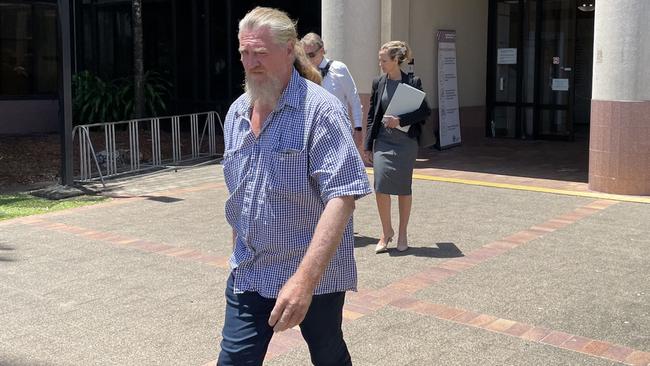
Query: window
point(28, 48)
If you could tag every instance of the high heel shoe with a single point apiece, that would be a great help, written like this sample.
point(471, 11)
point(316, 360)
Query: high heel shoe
point(402, 247)
point(382, 245)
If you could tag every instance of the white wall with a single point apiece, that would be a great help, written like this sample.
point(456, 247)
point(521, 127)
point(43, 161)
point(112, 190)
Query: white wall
point(469, 18)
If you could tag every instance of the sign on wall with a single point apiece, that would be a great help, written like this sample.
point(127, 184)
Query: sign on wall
point(560, 84)
point(449, 118)
point(507, 56)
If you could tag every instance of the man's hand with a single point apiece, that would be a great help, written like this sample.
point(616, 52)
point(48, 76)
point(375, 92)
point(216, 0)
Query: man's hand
point(292, 304)
point(296, 294)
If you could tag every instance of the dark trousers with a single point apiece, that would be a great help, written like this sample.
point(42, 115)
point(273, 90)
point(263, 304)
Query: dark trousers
point(246, 332)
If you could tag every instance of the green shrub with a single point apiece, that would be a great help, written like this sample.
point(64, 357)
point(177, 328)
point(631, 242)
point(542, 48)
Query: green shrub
point(95, 100)
point(156, 91)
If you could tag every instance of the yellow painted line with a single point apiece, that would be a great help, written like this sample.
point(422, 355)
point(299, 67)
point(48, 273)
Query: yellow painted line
point(606, 196)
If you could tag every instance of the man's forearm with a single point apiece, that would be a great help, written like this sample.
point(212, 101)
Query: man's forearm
point(327, 237)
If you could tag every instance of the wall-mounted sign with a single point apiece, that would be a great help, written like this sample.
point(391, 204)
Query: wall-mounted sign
point(507, 56)
point(560, 84)
point(556, 60)
point(448, 117)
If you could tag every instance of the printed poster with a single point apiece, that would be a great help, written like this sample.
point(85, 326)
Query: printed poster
point(449, 118)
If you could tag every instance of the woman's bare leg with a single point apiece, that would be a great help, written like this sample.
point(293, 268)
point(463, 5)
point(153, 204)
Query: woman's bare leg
point(404, 203)
point(383, 206)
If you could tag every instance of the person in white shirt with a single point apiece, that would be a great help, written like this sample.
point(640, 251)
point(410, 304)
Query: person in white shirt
point(336, 79)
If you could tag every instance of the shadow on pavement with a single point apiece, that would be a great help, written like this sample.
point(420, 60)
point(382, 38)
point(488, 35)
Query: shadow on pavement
point(363, 241)
point(443, 250)
point(4, 248)
point(163, 199)
point(440, 250)
point(21, 362)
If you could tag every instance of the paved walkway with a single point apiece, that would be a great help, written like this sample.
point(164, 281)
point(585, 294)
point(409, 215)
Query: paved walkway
point(494, 277)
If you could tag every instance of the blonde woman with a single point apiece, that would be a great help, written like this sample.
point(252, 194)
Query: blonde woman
point(392, 151)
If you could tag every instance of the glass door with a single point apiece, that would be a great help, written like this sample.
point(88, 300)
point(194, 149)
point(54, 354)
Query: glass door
point(556, 69)
point(530, 69)
point(583, 73)
point(506, 71)
point(511, 68)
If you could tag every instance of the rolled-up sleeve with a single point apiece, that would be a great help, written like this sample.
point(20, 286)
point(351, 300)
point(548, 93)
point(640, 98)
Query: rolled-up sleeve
point(334, 162)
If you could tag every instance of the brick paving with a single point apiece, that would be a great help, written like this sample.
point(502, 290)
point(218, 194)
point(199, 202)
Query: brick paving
point(188, 253)
point(591, 347)
point(398, 293)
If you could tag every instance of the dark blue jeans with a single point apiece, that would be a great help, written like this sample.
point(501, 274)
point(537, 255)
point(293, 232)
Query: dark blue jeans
point(246, 332)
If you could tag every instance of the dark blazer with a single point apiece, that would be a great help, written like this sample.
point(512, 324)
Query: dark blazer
point(375, 114)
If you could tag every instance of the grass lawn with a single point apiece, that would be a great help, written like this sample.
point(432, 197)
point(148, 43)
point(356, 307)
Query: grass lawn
point(16, 205)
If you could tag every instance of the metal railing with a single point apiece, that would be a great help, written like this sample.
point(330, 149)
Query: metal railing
point(117, 148)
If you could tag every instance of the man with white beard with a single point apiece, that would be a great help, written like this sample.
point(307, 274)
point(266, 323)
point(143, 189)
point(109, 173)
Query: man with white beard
point(293, 174)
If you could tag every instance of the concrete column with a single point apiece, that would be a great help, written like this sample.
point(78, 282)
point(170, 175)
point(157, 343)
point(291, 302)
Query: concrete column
point(351, 33)
point(619, 147)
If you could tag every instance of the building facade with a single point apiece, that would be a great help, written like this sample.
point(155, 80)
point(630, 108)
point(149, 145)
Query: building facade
point(575, 69)
point(527, 69)
point(191, 43)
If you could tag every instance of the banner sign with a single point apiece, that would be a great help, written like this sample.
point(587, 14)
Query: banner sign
point(449, 119)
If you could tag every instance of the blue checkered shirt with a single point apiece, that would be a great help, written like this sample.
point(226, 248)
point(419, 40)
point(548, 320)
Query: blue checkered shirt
point(280, 182)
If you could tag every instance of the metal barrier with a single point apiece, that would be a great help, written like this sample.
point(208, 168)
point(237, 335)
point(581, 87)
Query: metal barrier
point(185, 145)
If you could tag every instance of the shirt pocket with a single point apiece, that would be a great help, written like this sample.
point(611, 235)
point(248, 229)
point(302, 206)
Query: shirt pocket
point(290, 175)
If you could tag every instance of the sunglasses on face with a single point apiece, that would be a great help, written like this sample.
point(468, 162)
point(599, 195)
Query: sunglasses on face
point(313, 54)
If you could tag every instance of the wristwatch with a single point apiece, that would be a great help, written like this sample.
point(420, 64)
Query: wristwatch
point(358, 128)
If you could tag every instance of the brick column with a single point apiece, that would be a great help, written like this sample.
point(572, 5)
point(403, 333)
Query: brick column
point(619, 147)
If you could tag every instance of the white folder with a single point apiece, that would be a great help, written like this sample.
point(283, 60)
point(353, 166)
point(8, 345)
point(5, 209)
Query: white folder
point(405, 99)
